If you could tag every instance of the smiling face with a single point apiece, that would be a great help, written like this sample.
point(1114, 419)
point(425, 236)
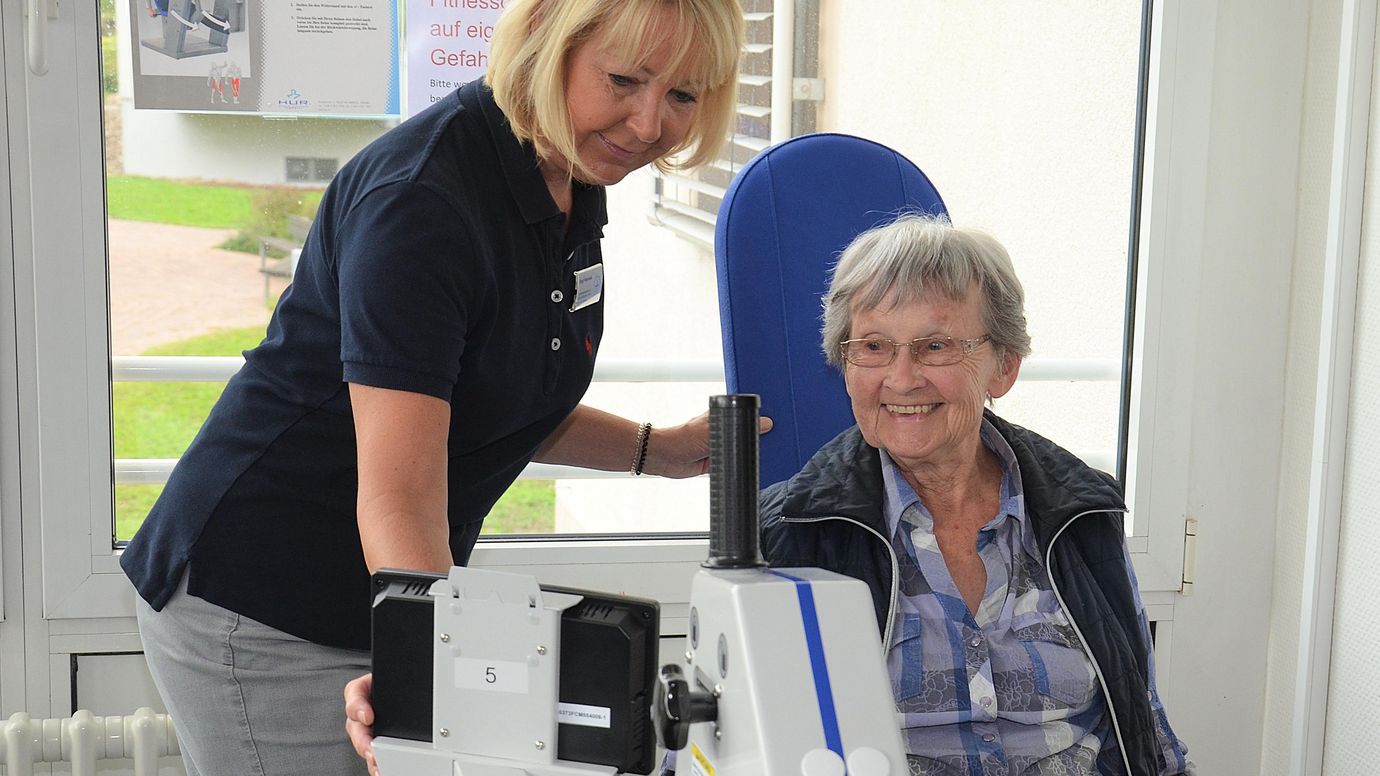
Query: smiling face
point(626, 116)
point(926, 416)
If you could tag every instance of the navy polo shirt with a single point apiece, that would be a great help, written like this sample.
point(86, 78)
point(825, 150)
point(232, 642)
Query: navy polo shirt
point(438, 263)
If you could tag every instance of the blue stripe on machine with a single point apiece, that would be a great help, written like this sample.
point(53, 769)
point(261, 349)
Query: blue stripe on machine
point(824, 693)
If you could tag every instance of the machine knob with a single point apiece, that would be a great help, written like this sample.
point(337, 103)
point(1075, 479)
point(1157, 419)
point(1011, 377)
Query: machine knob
point(676, 708)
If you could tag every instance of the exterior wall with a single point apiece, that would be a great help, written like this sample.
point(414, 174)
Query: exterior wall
point(243, 149)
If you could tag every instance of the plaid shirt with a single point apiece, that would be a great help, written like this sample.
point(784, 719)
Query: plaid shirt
point(1008, 690)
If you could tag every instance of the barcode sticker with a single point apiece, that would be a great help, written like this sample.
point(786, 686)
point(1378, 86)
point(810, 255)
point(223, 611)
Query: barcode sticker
point(585, 716)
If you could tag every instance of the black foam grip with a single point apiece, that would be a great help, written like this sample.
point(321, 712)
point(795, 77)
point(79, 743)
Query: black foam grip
point(733, 539)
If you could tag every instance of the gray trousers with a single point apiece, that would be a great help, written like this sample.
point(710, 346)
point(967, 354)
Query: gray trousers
point(247, 699)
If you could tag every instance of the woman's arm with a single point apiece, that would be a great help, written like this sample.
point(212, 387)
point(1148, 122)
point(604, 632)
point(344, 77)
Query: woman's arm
point(595, 439)
point(401, 507)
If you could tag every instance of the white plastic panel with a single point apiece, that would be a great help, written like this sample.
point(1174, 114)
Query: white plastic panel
point(1352, 716)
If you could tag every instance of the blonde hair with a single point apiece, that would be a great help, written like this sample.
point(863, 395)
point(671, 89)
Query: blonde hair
point(530, 52)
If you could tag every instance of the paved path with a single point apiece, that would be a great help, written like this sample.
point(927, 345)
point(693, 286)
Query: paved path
point(169, 283)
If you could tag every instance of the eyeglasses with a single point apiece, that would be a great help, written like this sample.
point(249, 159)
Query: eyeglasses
point(930, 351)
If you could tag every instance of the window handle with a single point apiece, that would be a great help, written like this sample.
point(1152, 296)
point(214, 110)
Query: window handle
point(37, 33)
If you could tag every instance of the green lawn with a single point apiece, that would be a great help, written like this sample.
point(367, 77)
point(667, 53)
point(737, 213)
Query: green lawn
point(158, 420)
point(131, 198)
point(253, 209)
point(528, 507)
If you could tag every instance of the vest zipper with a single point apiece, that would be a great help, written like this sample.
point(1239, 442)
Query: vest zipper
point(1097, 669)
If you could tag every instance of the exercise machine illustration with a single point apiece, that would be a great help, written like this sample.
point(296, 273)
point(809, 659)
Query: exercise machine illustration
point(183, 21)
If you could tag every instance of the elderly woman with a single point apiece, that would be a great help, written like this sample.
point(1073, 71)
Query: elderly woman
point(1013, 630)
point(439, 333)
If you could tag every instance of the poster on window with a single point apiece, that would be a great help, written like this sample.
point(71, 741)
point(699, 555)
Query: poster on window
point(296, 57)
point(447, 45)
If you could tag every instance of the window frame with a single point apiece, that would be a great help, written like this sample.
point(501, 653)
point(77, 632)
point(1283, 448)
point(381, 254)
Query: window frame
point(9, 400)
point(63, 352)
point(1179, 99)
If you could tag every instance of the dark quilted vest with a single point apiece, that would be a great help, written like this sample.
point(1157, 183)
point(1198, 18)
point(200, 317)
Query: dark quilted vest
point(1087, 564)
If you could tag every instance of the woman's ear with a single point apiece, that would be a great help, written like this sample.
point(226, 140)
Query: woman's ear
point(1008, 368)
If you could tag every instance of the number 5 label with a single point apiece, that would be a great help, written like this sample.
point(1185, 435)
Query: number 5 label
point(492, 675)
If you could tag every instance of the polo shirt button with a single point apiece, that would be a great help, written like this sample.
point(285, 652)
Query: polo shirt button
point(976, 642)
point(555, 343)
point(557, 296)
point(986, 703)
point(988, 738)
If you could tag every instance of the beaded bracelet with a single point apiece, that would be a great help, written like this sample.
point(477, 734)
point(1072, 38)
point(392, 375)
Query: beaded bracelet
point(644, 434)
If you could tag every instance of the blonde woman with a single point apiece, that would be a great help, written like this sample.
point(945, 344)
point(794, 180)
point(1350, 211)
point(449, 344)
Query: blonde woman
point(439, 333)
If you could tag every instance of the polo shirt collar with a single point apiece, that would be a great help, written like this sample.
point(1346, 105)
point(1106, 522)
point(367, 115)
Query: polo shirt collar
point(528, 187)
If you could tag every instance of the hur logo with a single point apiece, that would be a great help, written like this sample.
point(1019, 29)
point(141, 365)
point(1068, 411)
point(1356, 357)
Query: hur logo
point(294, 99)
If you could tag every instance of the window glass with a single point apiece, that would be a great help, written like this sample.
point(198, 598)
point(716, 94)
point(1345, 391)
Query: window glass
point(206, 202)
point(1022, 114)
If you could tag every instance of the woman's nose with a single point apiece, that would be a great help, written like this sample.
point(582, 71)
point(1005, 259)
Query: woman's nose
point(645, 119)
point(905, 371)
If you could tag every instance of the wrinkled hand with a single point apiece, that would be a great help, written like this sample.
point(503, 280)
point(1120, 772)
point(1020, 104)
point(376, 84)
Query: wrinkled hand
point(359, 719)
point(683, 451)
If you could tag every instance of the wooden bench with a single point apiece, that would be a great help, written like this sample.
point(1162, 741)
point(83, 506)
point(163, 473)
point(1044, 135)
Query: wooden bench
point(291, 247)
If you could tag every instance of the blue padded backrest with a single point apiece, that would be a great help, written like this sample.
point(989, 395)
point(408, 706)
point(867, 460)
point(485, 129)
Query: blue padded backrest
point(783, 223)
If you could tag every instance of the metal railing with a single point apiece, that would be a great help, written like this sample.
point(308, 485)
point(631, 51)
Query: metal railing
point(177, 369)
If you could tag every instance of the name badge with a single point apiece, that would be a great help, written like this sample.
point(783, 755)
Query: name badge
point(589, 286)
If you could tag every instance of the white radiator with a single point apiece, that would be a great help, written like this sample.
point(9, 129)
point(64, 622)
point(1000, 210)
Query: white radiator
point(82, 740)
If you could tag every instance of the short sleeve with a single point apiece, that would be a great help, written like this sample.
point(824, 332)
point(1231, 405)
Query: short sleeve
point(409, 280)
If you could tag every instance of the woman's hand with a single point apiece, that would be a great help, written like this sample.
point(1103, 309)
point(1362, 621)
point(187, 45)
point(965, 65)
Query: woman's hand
point(683, 451)
point(359, 719)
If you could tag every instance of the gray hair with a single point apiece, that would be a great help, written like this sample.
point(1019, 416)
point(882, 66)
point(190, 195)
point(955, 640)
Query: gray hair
point(920, 254)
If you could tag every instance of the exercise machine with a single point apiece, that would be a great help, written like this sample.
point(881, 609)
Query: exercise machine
point(783, 670)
